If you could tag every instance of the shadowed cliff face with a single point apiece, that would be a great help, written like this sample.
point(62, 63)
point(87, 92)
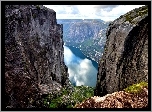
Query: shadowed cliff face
point(34, 63)
point(125, 59)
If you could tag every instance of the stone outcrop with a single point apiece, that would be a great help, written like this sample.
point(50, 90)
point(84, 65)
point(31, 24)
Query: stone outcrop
point(125, 59)
point(119, 99)
point(34, 62)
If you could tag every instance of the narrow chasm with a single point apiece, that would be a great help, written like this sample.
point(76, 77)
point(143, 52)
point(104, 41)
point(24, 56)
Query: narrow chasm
point(75, 63)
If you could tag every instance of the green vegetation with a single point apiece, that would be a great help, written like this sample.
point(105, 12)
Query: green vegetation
point(137, 12)
point(38, 7)
point(67, 98)
point(136, 88)
point(88, 47)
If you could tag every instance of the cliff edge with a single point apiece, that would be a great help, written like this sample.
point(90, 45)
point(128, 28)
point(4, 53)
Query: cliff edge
point(125, 58)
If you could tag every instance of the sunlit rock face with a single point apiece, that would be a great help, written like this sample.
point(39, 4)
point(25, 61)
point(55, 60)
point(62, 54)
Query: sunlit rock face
point(125, 57)
point(34, 62)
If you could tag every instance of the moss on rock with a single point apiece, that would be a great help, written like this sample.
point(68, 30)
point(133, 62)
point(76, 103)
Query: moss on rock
point(136, 88)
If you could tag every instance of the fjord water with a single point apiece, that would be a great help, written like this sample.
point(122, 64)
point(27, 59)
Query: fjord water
point(82, 70)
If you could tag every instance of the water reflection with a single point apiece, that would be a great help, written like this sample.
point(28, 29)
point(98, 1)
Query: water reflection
point(81, 70)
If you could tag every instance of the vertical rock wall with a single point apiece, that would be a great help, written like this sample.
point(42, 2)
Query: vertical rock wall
point(34, 63)
point(125, 59)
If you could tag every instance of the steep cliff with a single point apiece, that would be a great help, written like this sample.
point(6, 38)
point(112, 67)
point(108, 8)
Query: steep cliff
point(89, 35)
point(34, 63)
point(125, 59)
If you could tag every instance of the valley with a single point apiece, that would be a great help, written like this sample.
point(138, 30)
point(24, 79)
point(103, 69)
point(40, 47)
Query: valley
point(84, 63)
point(89, 35)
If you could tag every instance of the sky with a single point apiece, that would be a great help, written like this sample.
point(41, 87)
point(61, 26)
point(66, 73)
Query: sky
point(81, 71)
point(103, 12)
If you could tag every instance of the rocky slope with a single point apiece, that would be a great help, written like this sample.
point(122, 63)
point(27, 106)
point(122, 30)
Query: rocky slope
point(34, 63)
point(121, 99)
point(125, 58)
point(89, 35)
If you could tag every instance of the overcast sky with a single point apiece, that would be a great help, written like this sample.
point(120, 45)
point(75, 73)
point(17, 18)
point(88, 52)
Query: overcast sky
point(104, 12)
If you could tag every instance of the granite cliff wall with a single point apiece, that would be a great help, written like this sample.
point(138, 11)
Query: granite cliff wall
point(125, 58)
point(34, 63)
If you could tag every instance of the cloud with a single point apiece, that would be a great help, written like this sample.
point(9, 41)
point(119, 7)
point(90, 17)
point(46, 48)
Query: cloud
point(75, 10)
point(81, 72)
point(105, 7)
point(68, 55)
point(104, 12)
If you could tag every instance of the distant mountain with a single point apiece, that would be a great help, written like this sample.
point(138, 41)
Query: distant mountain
point(89, 35)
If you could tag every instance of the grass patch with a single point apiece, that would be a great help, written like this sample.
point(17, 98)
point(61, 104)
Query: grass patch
point(136, 88)
point(68, 99)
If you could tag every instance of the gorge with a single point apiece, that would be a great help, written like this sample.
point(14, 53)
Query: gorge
point(38, 63)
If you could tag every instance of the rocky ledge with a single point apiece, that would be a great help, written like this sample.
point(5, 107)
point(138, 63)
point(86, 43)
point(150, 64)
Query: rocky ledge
point(121, 99)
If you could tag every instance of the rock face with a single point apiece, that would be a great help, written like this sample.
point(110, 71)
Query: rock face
point(125, 59)
point(34, 63)
point(89, 35)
